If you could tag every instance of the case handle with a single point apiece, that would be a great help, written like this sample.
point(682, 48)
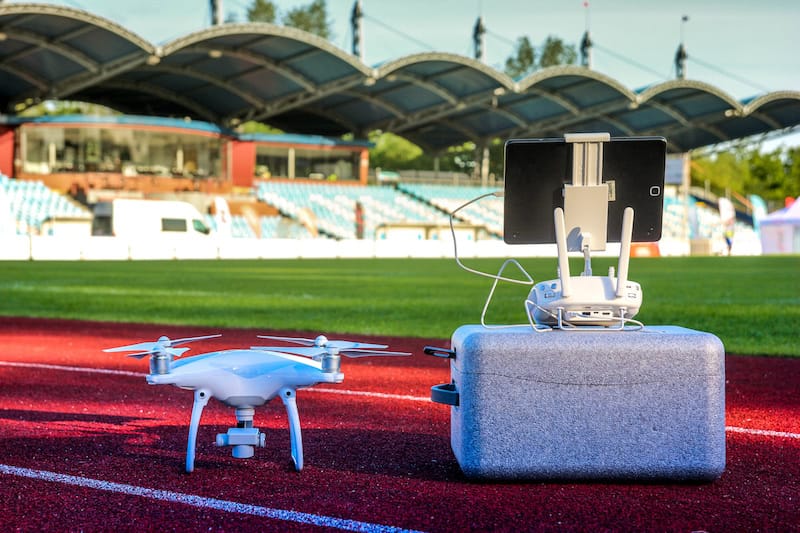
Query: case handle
point(444, 353)
point(445, 393)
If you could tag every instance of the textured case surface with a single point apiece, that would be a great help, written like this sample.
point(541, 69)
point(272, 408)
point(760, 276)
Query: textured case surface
point(646, 404)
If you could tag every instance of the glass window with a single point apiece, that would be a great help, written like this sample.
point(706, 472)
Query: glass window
point(130, 151)
point(173, 224)
point(329, 165)
point(200, 227)
point(272, 162)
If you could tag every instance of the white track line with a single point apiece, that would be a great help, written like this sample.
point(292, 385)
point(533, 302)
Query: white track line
point(201, 502)
point(74, 369)
point(763, 432)
point(346, 392)
point(63, 368)
point(369, 394)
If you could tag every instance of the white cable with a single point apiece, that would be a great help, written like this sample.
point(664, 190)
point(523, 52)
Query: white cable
point(569, 326)
point(562, 324)
point(496, 277)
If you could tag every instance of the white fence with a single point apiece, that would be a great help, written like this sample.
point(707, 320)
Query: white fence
point(44, 248)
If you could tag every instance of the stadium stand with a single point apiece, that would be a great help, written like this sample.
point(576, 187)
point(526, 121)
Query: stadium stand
point(691, 219)
point(32, 204)
point(271, 227)
point(309, 210)
point(332, 208)
point(488, 212)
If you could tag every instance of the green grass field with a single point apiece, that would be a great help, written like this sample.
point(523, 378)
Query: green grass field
point(751, 303)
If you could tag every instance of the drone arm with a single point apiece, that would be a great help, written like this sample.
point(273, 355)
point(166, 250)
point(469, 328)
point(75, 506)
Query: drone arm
point(289, 400)
point(201, 397)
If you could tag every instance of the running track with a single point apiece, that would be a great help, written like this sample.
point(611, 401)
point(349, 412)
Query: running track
point(86, 444)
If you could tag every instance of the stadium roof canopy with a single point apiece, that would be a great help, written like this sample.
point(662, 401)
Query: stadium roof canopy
point(303, 84)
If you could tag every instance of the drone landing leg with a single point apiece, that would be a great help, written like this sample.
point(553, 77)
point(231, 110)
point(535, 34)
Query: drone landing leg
point(201, 397)
point(289, 400)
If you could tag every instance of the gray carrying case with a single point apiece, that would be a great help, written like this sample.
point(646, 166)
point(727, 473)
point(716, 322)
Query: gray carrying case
point(647, 404)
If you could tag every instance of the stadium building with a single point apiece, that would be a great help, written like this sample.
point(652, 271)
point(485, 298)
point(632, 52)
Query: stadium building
point(184, 101)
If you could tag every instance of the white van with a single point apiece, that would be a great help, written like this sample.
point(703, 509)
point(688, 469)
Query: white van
point(128, 218)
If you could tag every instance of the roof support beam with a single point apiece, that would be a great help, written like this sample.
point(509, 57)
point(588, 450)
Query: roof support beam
point(279, 67)
point(562, 122)
point(428, 85)
point(211, 80)
point(25, 75)
point(335, 117)
point(55, 45)
point(766, 119)
point(468, 133)
point(293, 101)
point(86, 79)
point(492, 108)
point(170, 96)
point(556, 98)
point(670, 111)
point(378, 102)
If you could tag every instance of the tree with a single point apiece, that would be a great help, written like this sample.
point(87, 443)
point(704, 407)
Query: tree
point(771, 175)
point(793, 171)
point(312, 18)
point(252, 126)
point(262, 11)
point(392, 151)
point(723, 171)
point(525, 60)
point(555, 52)
point(67, 107)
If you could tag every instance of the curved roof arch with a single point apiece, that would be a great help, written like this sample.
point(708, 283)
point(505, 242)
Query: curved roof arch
point(409, 61)
point(689, 112)
point(302, 83)
point(266, 29)
point(566, 98)
point(250, 71)
point(435, 87)
point(544, 74)
point(52, 51)
point(688, 87)
point(769, 99)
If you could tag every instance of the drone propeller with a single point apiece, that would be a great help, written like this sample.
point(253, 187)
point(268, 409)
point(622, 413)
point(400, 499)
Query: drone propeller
point(317, 351)
point(163, 345)
point(323, 342)
point(321, 346)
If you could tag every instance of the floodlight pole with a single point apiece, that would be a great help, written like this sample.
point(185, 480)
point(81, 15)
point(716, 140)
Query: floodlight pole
point(586, 42)
point(356, 16)
point(681, 55)
point(216, 12)
point(478, 43)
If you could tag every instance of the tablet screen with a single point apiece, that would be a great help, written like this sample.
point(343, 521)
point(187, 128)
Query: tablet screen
point(536, 171)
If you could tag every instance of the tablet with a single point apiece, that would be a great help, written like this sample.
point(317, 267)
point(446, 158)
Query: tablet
point(536, 171)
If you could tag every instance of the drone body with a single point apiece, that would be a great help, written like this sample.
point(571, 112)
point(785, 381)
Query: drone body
point(248, 378)
point(244, 378)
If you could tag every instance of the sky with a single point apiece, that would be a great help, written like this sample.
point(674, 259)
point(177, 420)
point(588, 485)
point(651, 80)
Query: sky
point(744, 47)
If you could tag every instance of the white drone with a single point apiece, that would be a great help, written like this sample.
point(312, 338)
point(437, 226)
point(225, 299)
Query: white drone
point(245, 379)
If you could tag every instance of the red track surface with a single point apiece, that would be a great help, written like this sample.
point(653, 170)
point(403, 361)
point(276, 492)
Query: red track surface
point(94, 451)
